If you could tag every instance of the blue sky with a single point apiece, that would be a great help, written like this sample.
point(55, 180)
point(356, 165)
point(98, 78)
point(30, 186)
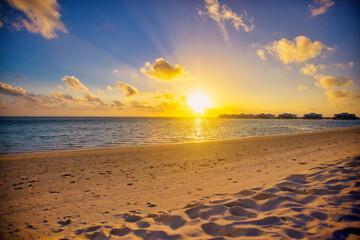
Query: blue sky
point(103, 43)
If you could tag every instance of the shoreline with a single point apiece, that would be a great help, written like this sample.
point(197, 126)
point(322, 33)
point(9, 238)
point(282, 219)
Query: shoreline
point(84, 194)
point(166, 144)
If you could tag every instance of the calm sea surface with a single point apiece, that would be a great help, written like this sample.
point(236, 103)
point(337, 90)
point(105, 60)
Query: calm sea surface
point(40, 134)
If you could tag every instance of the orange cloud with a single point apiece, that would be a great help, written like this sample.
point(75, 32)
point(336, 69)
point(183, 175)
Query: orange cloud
point(74, 84)
point(43, 15)
point(162, 70)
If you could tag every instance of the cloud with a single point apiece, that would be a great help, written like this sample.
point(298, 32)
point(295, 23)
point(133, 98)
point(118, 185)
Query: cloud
point(23, 96)
point(73, 83)
point(162, 70)
point(18, 75)
point(335, 95)
point(311, 69)
point(109, 88)
point(328, 82)
point(116, 70)
point(7, 89)
point(222, 13)
point(261, 54)
point(59, 87)
point(141, 105)
point(91, 98)
point(320, 7)
point(100, 91)
point(129, 91)
point(2, 103)
point(43, 15)
point(117, 104)
point(345, 66)
point(302, 88)
point(167, 96)
point(299, 50)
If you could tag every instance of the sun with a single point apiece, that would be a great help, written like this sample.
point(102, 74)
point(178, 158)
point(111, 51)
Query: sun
point(198, 101)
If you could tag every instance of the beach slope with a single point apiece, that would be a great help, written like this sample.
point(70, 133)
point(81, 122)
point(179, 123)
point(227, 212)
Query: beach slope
point(290, 186)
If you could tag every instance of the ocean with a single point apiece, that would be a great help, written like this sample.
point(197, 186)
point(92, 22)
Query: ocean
point(44, 134)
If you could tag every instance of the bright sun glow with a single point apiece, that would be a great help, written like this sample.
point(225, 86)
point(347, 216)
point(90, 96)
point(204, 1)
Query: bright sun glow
point(198, 101)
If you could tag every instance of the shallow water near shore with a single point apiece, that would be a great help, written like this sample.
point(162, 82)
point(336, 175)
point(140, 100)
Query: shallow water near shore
point(43, 134)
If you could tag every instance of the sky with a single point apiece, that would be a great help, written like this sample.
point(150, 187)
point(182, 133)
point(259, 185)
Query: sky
point(179, 58)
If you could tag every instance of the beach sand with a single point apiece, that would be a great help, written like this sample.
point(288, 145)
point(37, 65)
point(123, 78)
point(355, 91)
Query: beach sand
point(299, 186)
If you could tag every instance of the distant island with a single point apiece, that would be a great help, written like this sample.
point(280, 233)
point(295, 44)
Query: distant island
point(339, 116)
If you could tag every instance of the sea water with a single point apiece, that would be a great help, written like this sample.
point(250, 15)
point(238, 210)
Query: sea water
point(42, 134)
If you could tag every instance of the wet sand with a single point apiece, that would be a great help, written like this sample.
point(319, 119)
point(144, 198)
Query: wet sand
point(292, 186)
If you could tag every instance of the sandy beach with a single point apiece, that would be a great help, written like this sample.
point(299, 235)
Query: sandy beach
point(299, 186)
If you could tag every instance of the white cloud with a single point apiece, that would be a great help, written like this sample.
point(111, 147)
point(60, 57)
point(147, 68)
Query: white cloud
point(299, 50)
point(261, 54)
point(320, 7)
point(43, 15)
point(162, 70)
point(223, 13)
point(328, 82)
point(129, 91)
point(74, 84)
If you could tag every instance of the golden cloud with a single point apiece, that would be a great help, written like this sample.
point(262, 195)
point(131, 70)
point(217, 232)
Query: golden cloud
point(168, 96)
point(328, 82)
point(320, 7)
point(350, 95)
point(311, 69)
point(74, 84)
point(261, 54)
point(7, 89)
point(302, 88)
point(128, 90)
point(223, 13)
point(43, 15)
point(162, 70)
point(299, 50)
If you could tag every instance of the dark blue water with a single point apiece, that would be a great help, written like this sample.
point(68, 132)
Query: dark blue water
point(39, 134)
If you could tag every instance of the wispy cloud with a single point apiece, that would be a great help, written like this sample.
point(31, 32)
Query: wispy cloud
point(74, 84)
point(19, 76)
point(222, 13)
point(328, 82)
point(320, 7)
point(43, 15)
point(129, 91)
point(162, 70)
point(302, 88)
point(299, 50)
